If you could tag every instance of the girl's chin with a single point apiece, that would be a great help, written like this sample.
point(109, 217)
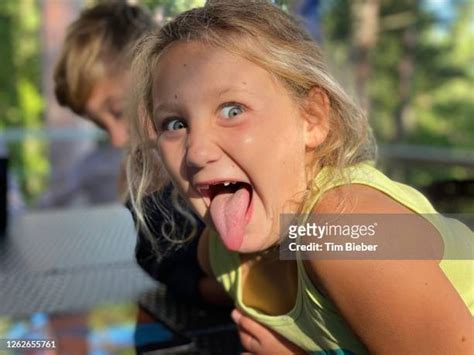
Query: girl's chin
point(253, 243)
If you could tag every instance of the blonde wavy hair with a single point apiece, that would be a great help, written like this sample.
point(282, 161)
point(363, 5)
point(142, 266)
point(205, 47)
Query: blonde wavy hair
point(272, 39)
point(96, 46)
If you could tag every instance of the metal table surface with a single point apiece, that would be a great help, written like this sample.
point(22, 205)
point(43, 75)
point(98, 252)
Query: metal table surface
point(66, 260)
point(64, 266)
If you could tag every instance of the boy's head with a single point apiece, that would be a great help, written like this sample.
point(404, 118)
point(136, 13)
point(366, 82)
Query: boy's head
point(91, 76)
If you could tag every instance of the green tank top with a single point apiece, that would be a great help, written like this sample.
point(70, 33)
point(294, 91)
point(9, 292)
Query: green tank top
point(314, 324)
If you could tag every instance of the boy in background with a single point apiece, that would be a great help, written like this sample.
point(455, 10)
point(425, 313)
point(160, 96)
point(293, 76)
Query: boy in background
point(92, 78)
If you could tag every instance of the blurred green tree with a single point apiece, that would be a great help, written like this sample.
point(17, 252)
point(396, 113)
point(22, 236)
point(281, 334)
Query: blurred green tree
point(172, 7)
point(419, 85)
point(444, 104)
point(416, 79)
point(21, 104)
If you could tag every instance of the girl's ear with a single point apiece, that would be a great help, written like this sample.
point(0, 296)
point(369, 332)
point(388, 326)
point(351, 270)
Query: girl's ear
point(316, 111)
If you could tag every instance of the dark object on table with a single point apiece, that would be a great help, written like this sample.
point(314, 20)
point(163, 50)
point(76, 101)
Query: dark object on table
point(158, 338)
point(3, 195)
point(210, 327)
point(176, 267)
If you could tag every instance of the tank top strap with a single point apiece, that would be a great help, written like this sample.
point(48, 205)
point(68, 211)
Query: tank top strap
point(365, 173)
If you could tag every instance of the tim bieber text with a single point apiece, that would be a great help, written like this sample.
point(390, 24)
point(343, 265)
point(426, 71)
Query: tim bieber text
point(333, 247)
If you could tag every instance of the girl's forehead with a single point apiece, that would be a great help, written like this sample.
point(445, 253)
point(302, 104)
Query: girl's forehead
point(176, 57)
point(193, 74)
point(185, 61)
point(182, 53)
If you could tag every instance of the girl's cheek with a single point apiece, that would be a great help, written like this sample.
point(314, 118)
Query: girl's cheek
point(248, 141)
point(169, 157)
point(256, 144)
point(245, 136)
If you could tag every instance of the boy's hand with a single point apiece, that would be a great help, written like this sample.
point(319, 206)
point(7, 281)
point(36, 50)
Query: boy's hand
point(258, 339)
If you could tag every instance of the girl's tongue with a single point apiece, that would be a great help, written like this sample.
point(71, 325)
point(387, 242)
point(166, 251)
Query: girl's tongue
point(228, 212)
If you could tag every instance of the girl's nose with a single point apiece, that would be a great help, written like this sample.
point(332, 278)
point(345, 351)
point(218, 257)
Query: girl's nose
point(201, 151)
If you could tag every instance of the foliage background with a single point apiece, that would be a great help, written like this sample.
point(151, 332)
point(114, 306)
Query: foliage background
point(409, 63)
point(21, 104)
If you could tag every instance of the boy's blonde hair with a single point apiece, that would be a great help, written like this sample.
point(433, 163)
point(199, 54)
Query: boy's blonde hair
point(267, 36)
point(97, 45)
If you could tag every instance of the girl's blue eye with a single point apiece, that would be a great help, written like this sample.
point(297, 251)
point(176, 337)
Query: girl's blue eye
point(174, 125)
point(232, 110)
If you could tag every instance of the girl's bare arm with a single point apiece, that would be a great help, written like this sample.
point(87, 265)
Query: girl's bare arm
point(395, 306)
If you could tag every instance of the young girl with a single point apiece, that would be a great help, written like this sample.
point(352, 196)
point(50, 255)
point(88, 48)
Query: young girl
point(237, 109)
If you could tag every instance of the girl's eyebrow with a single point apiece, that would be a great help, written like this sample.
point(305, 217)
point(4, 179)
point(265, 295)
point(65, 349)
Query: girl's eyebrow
point(226, 90)
point(166, 107)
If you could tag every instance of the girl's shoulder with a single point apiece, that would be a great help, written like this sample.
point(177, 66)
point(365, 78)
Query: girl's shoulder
point(358, 198)
point(376, 296)
point(364, 182)
point(398, 231)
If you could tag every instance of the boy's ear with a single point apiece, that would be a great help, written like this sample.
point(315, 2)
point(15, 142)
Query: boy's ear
point(316, 111)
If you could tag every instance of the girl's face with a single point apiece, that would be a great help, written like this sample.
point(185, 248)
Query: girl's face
point(232, 139)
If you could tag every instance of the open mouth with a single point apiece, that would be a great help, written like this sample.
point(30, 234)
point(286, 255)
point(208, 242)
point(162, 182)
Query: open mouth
point(230, 208)
point(210, 191)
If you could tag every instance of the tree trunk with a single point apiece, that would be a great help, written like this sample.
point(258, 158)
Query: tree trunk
point(405, 73)
point(365, 28)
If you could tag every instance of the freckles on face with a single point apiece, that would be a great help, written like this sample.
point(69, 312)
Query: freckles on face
point(231, 137)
